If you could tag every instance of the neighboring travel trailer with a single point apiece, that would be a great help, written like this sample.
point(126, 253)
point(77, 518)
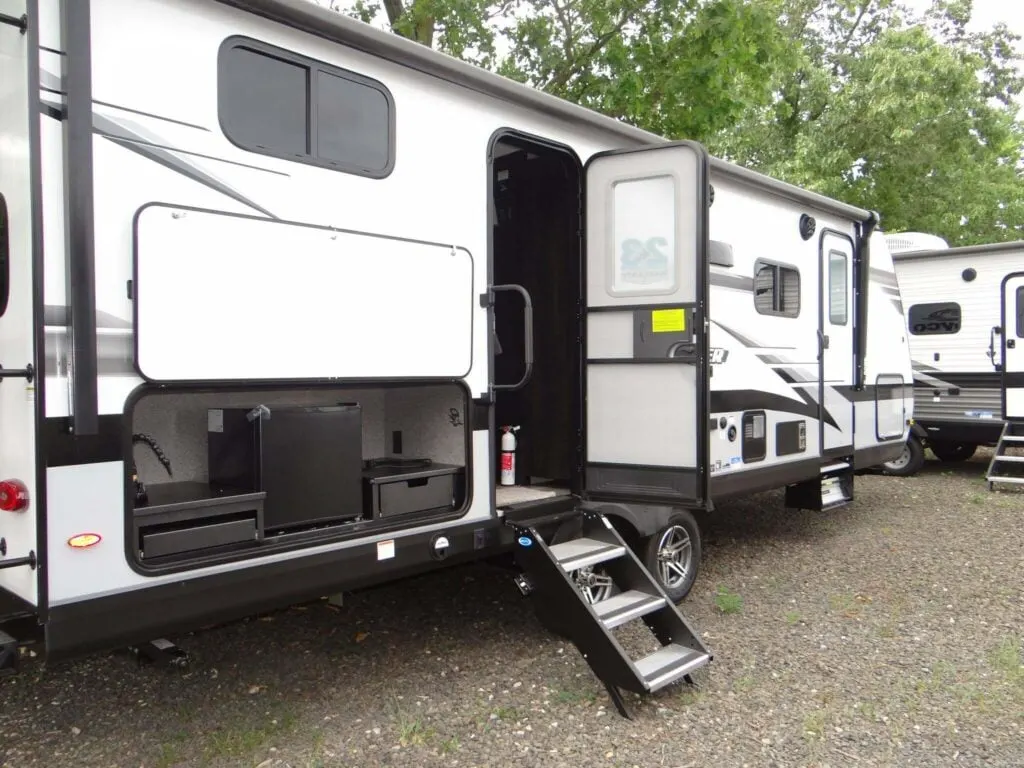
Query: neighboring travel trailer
point(963, 308)
point(290, 298)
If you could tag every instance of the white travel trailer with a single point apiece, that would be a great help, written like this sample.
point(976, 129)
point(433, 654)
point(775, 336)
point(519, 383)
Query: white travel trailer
point(964, 315)
point(309, 272)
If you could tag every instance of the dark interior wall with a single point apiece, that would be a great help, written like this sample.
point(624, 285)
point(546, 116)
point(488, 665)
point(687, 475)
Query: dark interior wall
point(536, 245)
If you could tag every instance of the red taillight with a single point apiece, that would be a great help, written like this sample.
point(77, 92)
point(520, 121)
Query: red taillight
point(13, 496)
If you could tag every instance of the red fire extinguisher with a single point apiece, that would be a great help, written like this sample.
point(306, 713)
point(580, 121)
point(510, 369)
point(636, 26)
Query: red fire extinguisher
point(508, 455)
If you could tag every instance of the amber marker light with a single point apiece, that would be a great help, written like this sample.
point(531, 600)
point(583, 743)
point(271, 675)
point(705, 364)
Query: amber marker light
point(84, 540)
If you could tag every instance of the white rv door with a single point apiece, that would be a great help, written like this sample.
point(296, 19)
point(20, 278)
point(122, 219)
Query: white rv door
point(645, 378)
point(18, 497)
point(1013, 346)
point(835, 342)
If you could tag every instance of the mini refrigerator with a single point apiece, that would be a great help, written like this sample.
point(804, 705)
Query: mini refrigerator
point(307, 459)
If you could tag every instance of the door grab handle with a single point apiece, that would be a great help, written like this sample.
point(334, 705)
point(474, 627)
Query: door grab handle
point(527, 332)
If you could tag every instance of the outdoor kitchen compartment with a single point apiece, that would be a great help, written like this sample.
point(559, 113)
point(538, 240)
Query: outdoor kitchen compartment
point(398, 487)
point(307, 459)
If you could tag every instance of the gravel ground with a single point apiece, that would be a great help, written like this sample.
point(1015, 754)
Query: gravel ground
point(887, 633)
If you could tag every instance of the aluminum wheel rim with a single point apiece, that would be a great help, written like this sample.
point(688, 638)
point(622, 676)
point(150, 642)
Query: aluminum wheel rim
point(675, 553)
point(902, 461)
point(595, 586)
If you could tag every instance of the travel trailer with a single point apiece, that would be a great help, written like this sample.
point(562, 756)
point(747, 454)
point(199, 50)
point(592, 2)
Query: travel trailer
point(297, 306)
point(964, 316)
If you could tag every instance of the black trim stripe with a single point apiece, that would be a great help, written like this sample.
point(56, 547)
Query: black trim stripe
point(733, 400)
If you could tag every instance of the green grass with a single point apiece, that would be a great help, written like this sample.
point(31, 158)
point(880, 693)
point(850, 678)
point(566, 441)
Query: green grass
point(745, 683)
point(1008, 658)
point(814, 725)
point(450, 745)
point(563, 696)
point(728, 601)
point(792, 617)
point(689, 697)
point(507, 713)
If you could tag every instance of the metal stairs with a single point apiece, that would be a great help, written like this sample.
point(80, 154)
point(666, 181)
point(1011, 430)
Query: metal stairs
point(561, 606)
point(1007, 467)
point(831, 490)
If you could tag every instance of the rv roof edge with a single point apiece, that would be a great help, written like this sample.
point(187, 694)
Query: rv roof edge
point(338, 27)
point(963, 250)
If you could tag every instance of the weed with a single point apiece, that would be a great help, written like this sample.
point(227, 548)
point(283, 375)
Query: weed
point(689, 697)
point(450, 745)
point(727, 601)
point(792, 617)
point(1008, 658)
point(507, 713)
point(814, 725)
point(867, 710)
point(575, 697)
point(169, 755)
point(744, 683)
point(411, 730)
point(977, 499)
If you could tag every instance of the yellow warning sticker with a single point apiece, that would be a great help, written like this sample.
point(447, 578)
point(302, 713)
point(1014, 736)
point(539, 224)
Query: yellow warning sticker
point(668, 320)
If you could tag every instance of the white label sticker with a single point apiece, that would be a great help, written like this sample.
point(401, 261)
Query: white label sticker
point(385, 549)
point(215, 420)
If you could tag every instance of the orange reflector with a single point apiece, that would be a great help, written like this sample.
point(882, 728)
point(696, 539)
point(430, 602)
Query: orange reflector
point(83, 540)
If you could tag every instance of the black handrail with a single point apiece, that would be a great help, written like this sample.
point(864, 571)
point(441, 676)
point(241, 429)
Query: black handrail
point(528, 332)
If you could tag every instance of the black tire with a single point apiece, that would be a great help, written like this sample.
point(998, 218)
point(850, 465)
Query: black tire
point(909, 462)
point(681, 521)
point(952, 452)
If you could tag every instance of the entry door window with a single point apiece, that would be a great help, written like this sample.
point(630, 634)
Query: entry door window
point(837, 288)
point(1020, 312)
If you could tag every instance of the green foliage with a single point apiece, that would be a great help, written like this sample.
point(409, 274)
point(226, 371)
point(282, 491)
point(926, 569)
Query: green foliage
point(858, 99)
point(912, 118)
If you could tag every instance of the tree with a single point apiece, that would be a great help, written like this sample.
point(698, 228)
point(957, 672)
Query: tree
point(914, 118)
point(681, 68)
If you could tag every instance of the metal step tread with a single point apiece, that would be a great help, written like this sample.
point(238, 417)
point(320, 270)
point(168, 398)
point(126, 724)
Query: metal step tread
point(835, 467)
point(1001, 479)
point(1012, 438)
point(626, 606)
point(669, 664)
point(1013, 459)
point(580, 553)
point(836, 504)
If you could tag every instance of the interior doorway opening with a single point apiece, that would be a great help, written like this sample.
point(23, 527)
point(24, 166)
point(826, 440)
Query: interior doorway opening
point(536, 244)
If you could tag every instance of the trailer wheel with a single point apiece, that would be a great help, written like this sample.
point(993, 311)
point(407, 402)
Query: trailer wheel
point(909, 462)
point(952, 452)
point(672, 555)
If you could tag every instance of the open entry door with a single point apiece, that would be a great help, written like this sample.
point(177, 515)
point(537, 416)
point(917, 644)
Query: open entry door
point(645, 374)
point(1013, 346)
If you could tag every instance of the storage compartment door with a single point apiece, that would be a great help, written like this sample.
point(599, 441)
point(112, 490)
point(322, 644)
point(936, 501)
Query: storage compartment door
point(646, 420)
point(1013, 346)
point(223, 297)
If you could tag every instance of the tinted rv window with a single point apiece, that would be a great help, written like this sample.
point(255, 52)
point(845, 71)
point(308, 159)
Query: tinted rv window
point(934, 319)
point(777, 290)
point(837, 288)
point(5, 256)
point(264, 102)
point(351, 123)
point(285, 105)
